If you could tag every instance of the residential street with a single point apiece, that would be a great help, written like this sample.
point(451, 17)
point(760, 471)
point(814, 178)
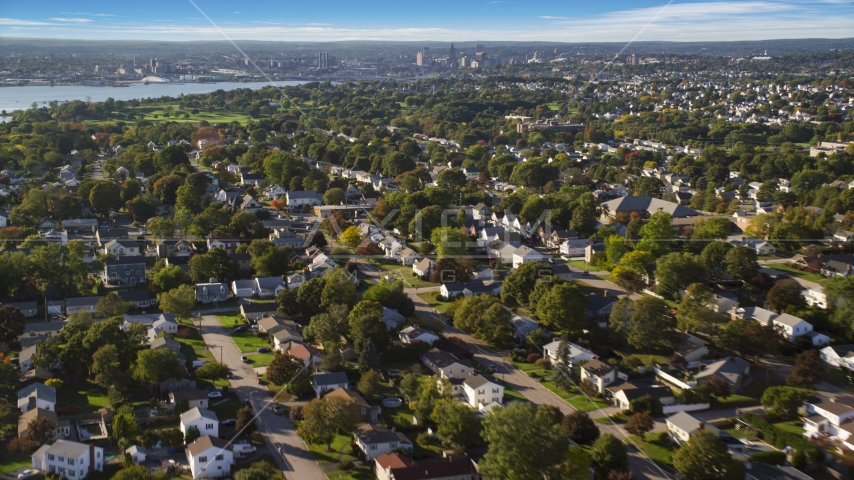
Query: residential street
point(298, 462)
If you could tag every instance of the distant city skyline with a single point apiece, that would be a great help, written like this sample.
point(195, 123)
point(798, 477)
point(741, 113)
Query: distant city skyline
point(484, 20)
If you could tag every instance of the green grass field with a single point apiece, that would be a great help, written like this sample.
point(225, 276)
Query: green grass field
point(194, 347)
point(404, 274)
point(441, 307)
point(86, 396)
point(260, 359)
point(227, 409)
point(575, 398)
point(811, 277)
point(229, 321)
point(650, 445)
point(12, 461)
point(248, 342)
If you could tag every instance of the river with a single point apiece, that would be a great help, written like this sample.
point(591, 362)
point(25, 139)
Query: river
point(19, 98)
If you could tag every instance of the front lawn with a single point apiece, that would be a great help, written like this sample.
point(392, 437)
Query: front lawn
point(810, 277)
point(227, 409)
point(12, 461)
point(573, 397)
point(229, 321)
point(193, 347)
point(248, 342)
point(441, 307)
point(652, 448)
point(791, 426)
point(260, 359)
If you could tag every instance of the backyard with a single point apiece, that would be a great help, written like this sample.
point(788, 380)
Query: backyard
point(652, 446)
point(12, 461)
point(404, 274)
point(439, 306)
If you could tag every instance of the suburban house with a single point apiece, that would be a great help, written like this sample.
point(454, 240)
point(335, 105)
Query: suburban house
point(285, 339)
point(326, 382)
point(25, 358)
point(625, 393)
point(210, 457)
point(81, 304)
point(229, 244)
point(212, 292)
point(42, 329)
point(269, 287)
point(173, 248)
point(37, 395)
point(525, 254)
point(761, 247)
point(244, 288)
point(28, 309)
point(815, 296)
point(574, 248)
point(368, 413)
point(691, 348)
point(257, 311)
point(63, 427)
point(840, 356)
point(789, 325)
point(375, 440)
point(128, 270)
point(830, 416)
point(474, 287)
point(644, 206)
point(601, 374)
point(137, 454)
point(104, 236)
point(122, 247)
point(392, 466)
point(482, 390)
point(392, 318)
point(445, 365)
point(423, 268)
point(415, 333)
point(725, 302)
point(304, 197)
point(599, 307)
point(195, 396)
point(407, 256)
point(204, 420)
point(733, 370)
point(140, 298)
point(307, 354)
point(69, 459)
point(683, 425)
point(523, 325)
point(576, 353)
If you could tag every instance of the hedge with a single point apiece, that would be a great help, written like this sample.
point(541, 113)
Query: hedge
point(769, 457)
point(782, 439)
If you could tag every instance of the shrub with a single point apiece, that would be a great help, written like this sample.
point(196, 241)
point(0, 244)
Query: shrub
point(781, 439)
point(519, 355)
point(295, 413)
point(532, 358)
point(345, 465)
point(543, 362)
point(424, 438)
point(22, 445)
point(664, 438)
point(771, 457)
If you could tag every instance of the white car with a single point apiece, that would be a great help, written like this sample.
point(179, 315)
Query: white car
point(28, 473)
point(214, 394)
point(198, 363)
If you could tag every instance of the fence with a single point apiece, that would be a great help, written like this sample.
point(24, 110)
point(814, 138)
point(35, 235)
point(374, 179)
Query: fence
point(675, 381)
point(690, 407)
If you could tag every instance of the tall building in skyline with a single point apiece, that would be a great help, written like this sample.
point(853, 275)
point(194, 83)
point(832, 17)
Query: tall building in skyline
point(632, 59)
point(452, 57)
point(422, 58)
point(323, 61)
point(479, 54)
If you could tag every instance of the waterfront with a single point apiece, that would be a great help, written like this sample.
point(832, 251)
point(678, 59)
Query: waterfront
point(19, 98)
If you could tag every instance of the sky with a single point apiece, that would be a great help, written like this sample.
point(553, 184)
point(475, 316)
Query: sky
point(437, 20)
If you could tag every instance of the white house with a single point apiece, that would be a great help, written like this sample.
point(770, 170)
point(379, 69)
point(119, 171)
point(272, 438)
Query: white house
point(525, 254)
point(326, 382)
point(72, 460)
point(482, 390)
point(244, 288)
point(840, 356)
point(305, 197)
point(683, 425)
point(211, 292)
point(830, 416)
point(576, 353)
point(121, 247)
point(423, 267)
point(137, 454)
point(445, 364)
point(815, 296)
point(195, 397)
point(210, 457)
point(375, 440)
point(761, 247)
point(415, 333)
point(37, 395)
point(307, 354)
point(204, 420)
point(790, 326)
point(574, 248)
point(601, 374)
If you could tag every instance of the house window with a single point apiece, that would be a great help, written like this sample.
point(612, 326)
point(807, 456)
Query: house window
point(71, 473)
point(50, 457)
point(373, 447)
point(220, 457)
point(203, 459)
point(209, 426)
point(71, 461)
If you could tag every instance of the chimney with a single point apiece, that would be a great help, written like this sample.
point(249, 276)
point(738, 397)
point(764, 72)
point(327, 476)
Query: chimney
point(700, 426)
point(605, 294)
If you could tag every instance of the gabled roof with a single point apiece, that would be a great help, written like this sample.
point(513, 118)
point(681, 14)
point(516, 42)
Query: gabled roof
point(650, 205)
point(40, 391)
point(188, 393)
point(374, 434)
point(476, 381)
point(197, 413)
point(597, 367)
point(82, 301)
point(685, 422)
point(440, 358)
point(330, 378)
point(206, 443)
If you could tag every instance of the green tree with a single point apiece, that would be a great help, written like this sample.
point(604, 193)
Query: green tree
point(351, 237)
point(124, 424)
point(9, 375)
point(104, 197)
point(449, 242)
point(246, 421)
point(645, 323)
point(155, 366)
point(283, 368)
point(705, 457)
point(391, 294)
point(334, 196)
point(328, 328)
point(111, 306)
point(657, 234)
point(749, 338)
point(784, 293)
point(485, 318)
point(212, 371)
point(367, 326)
point(713, 259)
point(580, 428)
point(639, 424)
point(563, 308)
point(12, 323)
point(40, 430)
point(544, 448)
point(107, 366)
point(131, 188)
point(694, 312)
point(458, 428)
point(168, 278)
point(742, 264)
point(675, 271)
point(179, 301)
point(369, 359)
point(326, 417)
point(807, 371)
point(609, 454)
point(520, 283)
point(47, 353)
point(192, 434)
point(369, 383)
point(338, 289)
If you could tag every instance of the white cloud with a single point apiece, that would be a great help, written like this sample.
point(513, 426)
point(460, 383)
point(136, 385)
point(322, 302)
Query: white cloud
point(15, 21)
point(71, 20)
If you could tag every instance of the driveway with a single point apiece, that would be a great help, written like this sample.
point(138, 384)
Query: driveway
point(298, 462)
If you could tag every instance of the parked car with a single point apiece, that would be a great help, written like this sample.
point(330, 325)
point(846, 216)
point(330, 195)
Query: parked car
point(198, 363)
point(214, 394)
point(243, 448)
point(277, 409)
point(264, 350)
point(244, 359)
point(228, 422)
point(230, 375)
point(28, 473)
point(255, 326)
point(239, 329)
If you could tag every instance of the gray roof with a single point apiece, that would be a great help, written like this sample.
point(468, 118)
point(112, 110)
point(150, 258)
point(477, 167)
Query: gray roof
point(68, 449)
point(476, 381)
point(685, 422)
point(730, 369)
point(649, 204)
point(164, 342)
point(82, 301)
point(440, 358)
point(327, 378)
point(212, 288)
point(196, 413)
point(270, 283)
point(150, 318)
point(374, 434)
point(762, 315)
point(40, 391)
point(22, 305)
point(303, 194)
point(53, 326)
